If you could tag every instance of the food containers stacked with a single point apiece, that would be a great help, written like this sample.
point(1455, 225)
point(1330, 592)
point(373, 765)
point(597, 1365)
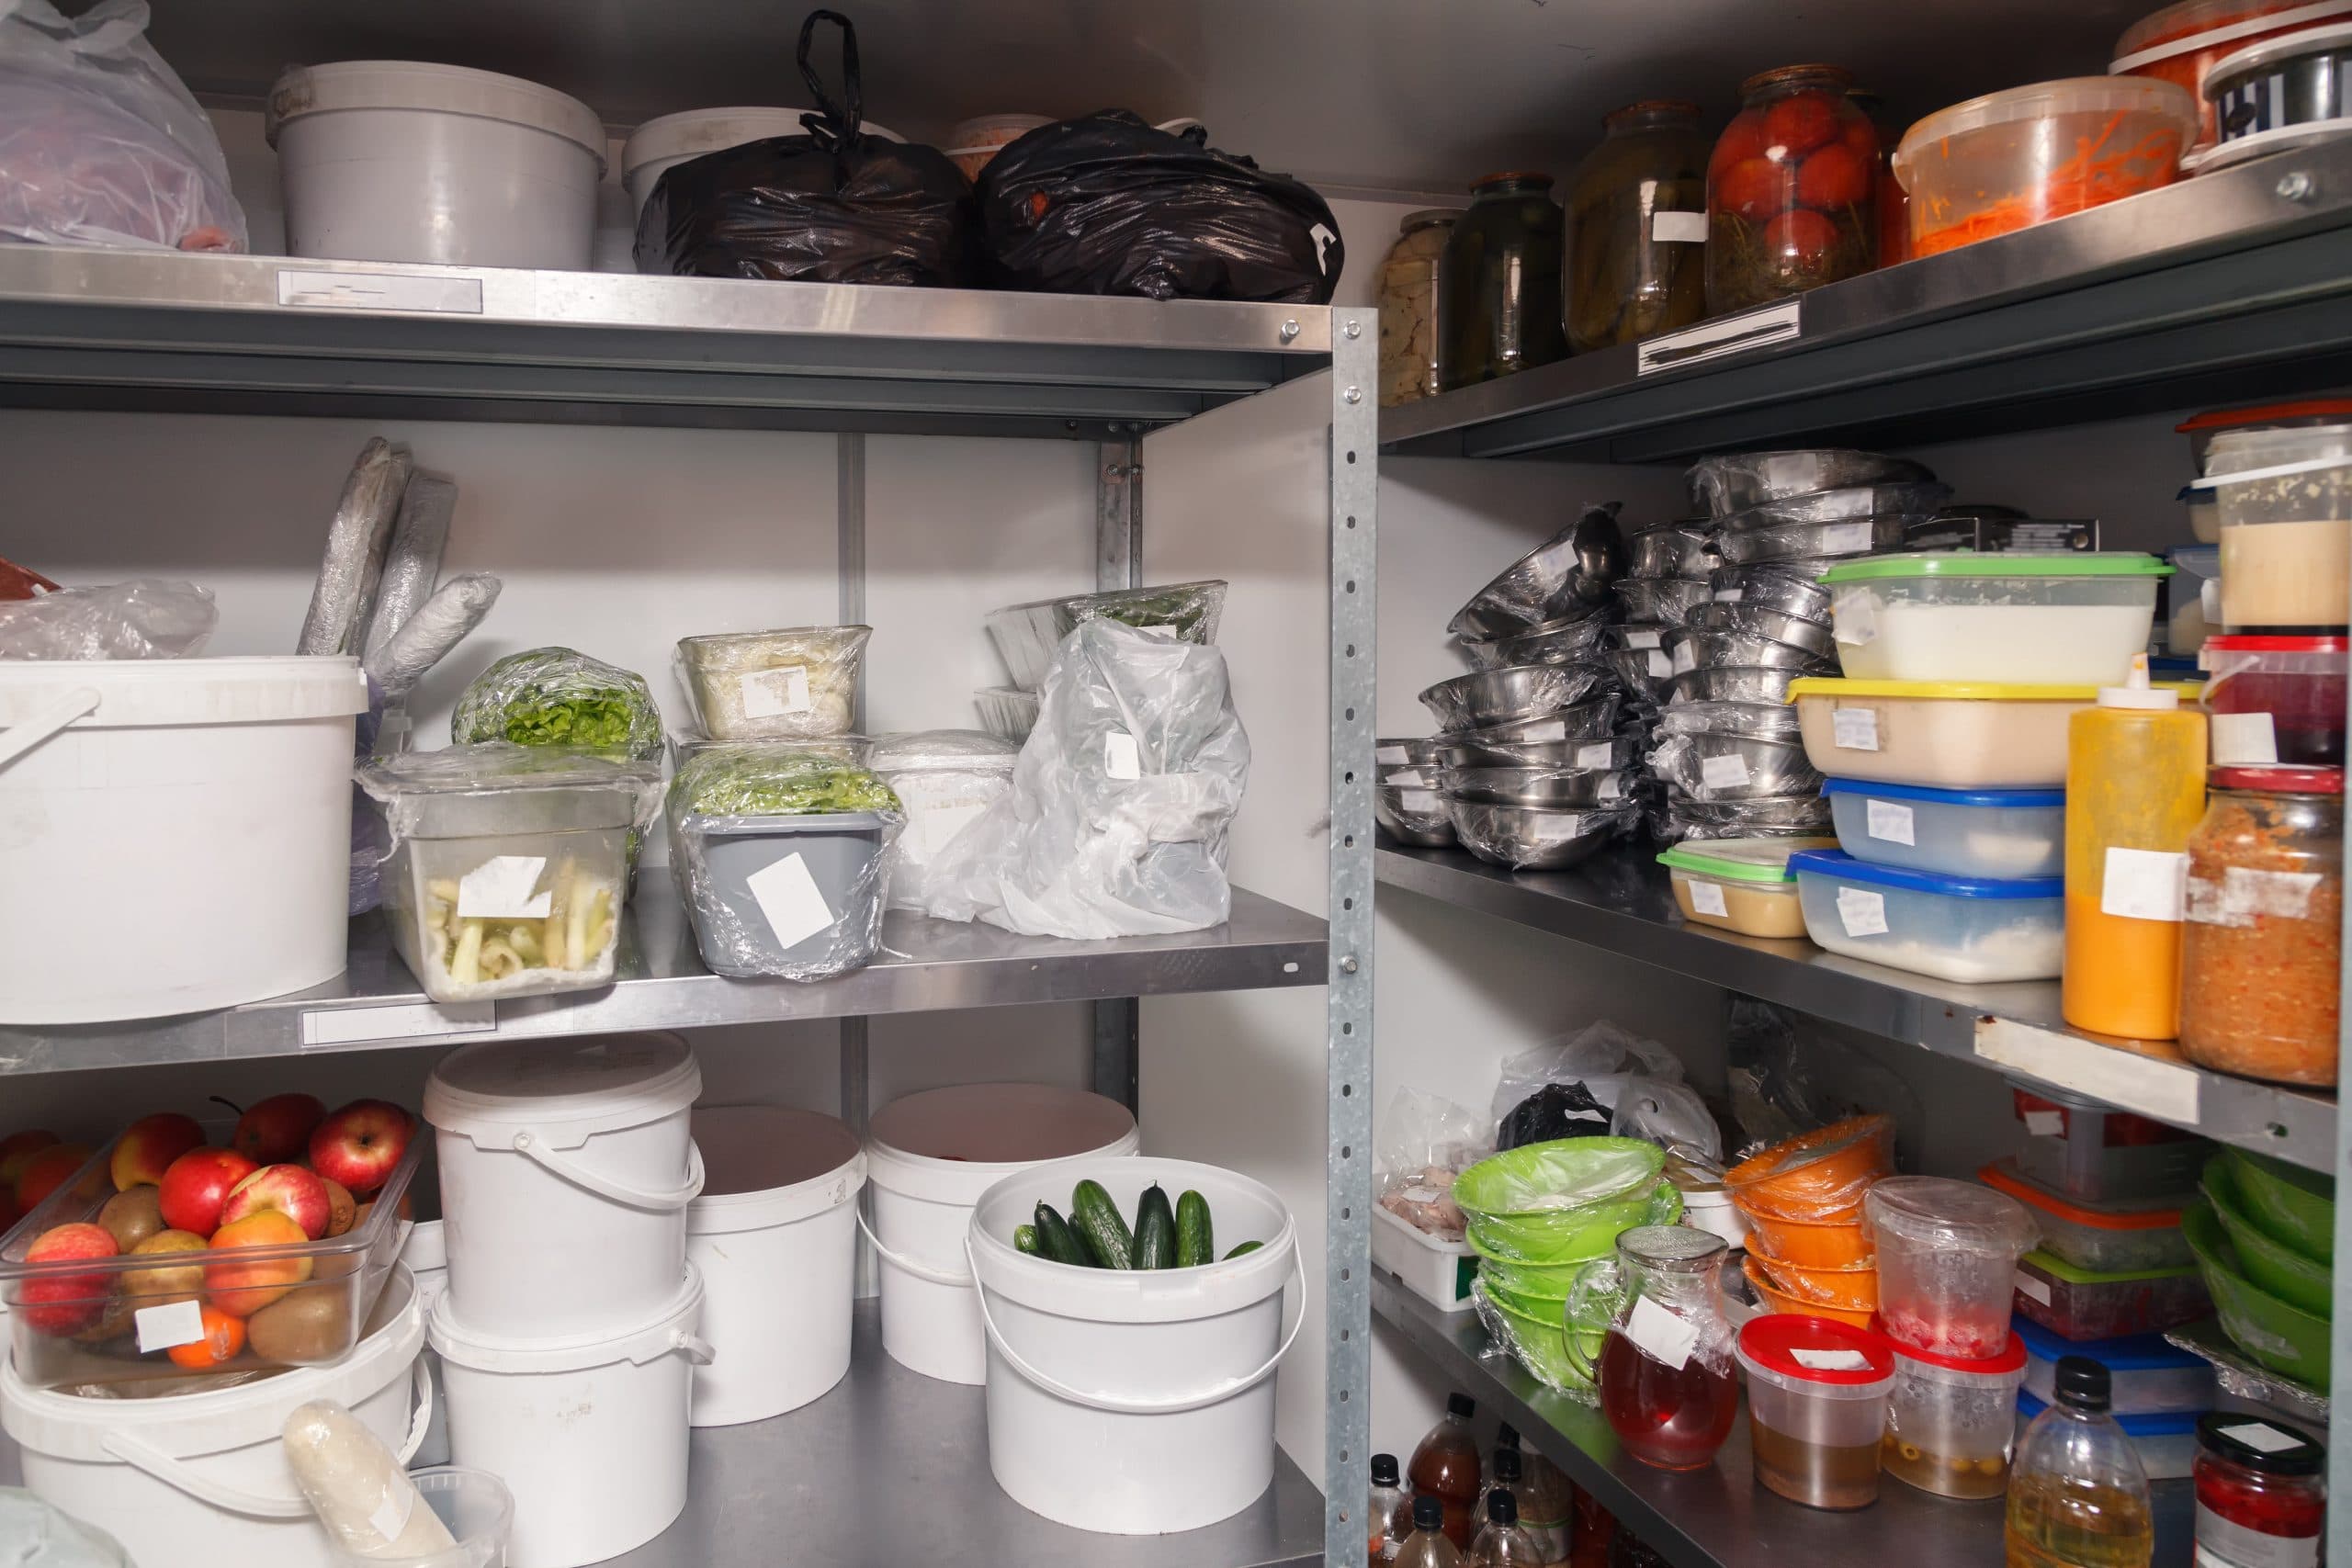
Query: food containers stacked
point(2263, 1236)
point(1027, 636)
point(2283, 495)
point(1408, 796)
point(2079, 1150)
point(797, 684)
point(2286, 92)
point(1807, 1250)
point(2182, 43)
point(1739, 885)
point(944, 779)
point(2146, 1375)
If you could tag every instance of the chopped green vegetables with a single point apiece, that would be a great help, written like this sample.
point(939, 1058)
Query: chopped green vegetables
point(553, 696)
point(775, 780)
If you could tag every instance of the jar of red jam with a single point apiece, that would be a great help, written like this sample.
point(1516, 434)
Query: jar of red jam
point(2261, 1494)
point(1791, 189)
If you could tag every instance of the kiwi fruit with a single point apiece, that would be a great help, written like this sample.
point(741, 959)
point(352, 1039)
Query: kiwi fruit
point(310, 1325)
point(132, 1216)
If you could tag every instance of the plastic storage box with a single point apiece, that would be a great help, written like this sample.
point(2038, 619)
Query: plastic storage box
point(1998, 833)
point(1816, 1408)
point(1951, 1423)
point(1946, 734)
point(1006, 712)
point(2147, 1373)
point(790, 685)
point(2064, 617)
point(1740, 884)
point(1436, 1270)
point(2080, 1304)
point(1028, 636)
point(2275, 699)
point(1954, 927)
point(2079, 1150)
point(2285, 498)
point(2166, 1444)
point(1947, 1256)
point(2113, 1237)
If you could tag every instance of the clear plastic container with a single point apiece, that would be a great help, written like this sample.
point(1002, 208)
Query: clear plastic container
point(2193, 596)
point(476, 1506)
point(1946, 1258)
point(2072, 618)
point(2149, 1374)
point(1994, 165)
point(1975, 932)
point(1006, 712)
point(2081, 1305)
point(1028, 636)
point(1816, 1408)
point(2166, 1444)
point(1992, 833)
point(791, 684)
point(1740, 884)
point(945, 779)
point(1950, 1423)
point(2285, 498)
point(2080, 1149)
point(2275, 699)
point(2113, 1237)
point(1946, 734)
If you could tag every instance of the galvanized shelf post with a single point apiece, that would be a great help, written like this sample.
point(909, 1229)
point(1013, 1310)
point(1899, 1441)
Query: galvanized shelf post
point(1118, 563)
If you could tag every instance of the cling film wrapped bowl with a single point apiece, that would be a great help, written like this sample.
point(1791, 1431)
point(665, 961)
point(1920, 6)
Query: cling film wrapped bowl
point(1819, 1177)
point(1561, 1174)
point(555, 696)
point(795, 683)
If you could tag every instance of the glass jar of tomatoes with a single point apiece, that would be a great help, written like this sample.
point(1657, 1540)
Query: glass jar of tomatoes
point(1499, 285)
point(2261, 1493)
point(1791, 196)
point(1637, 228)
point(1409, 306)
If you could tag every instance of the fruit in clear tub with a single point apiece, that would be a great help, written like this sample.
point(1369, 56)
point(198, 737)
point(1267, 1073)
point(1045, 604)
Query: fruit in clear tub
point(242, 1287)
point(279, 1129)
point(148, 1146)
point(47, 1170)
point(132, 1216)
point(66, 1303)
point(1948, 1254)
point(225, 1336)
point(198, 1185)
point(343, 1209)
point(360, 1145)
point(300, 1195)
point(18, 1148)
point(310, 1325)
point(162, 1281)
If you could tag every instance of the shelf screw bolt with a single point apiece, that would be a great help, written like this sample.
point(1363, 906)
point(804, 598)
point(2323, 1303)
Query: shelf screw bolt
point(1353, 395)
point(1346, 965)
point(1290, 331)
point(2296, 186)
point(1353, 329)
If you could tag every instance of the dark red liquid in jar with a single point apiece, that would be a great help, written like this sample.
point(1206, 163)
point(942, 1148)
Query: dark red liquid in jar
point(1675, 1419)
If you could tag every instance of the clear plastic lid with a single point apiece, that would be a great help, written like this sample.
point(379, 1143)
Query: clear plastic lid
point(1999, 563)
point(927, 751)
point(1818, 1355)
point(1939, 1212)
point(2047, 100)
point(1741, 860)
point(1960, 691)
point(498, 787)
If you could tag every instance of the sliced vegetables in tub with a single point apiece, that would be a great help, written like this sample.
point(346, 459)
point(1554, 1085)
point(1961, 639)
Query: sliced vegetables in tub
point(796, 683)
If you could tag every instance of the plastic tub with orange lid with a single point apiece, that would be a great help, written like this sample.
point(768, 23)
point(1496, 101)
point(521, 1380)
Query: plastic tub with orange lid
point(2182, 44)
point(1820, 1176)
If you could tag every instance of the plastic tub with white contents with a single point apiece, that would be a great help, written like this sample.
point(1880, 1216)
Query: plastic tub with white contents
point(944, 779)
point(1967, 930)
point(2064, 617)
point(2149, 1375)
point(797, 684)
point(660, 144)
point(1740, 884)
point(1946, 734)
point(1436, 1270)
point(1996, 833)
point(2285, 498)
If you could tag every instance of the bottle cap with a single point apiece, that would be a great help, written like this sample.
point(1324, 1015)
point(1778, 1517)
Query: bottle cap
point(1506, 1436)
point(1502, 1507)
point(1429, 1511)
point(1462, 1404)
point(1507, 1464)
point(2135, 692)
point(1383, 1469)
point(2082, 1383)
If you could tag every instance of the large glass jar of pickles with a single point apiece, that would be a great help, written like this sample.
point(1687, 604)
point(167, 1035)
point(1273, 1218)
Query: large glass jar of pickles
point(1790, 189)
point(1409, 306)
point(1637, 228)
point(1498, 285)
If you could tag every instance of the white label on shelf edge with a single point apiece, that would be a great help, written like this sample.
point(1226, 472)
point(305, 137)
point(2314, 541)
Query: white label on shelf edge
point(1861, 911)
point(2030, 1286)
point(1843, 538)
point(2169, 1091)
point(1726, 771)
point(391, 1516)
point(2045, 1124)
point(1659, 1334)
point(1643, 637)
point(1391, 756)
point(772, 693)
point(173, 1322)
point(1424, 800)
point(1766, 324)
point(2144, 884)
point(1678, 228)
point(1600, 754)
point(1892, 820)
point(2244, 741)
point(379, 291)
point(1121, 759)
point(500, 889)
point(789, 898)
point(1854, 729)
point(1707, 898)
point(1831, 1360)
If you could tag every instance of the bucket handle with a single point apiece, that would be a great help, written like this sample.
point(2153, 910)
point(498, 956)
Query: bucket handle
point(531, 1147)
point(1144, 1407)
point(20, 739)
point(177, 1473)
point(920, 1270)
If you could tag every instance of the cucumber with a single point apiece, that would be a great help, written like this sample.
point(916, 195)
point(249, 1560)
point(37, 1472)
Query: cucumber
point(1055, 1241)
point(1024, 1239)
point(1155, 1230)
point(1100, 1229)
point(1245, 1247)
point(1195, 1238)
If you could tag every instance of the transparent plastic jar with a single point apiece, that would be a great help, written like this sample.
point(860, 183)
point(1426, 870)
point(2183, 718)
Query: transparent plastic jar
point(1947, 1257)
point(1950, 1423)
point(1408, 301)
point(1816, 1408)
point(2285, 500)
point(1789, 198)
point(1499, 285)
point(1637, 228)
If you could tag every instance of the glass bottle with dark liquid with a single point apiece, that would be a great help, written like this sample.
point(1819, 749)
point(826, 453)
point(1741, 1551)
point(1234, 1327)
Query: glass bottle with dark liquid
point(1665, 1369)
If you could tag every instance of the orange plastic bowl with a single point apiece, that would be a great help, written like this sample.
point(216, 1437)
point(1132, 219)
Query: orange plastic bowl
point(1810, 1246)
point(1780, 1301)
point(1848, 1290)
point(1818, 1177)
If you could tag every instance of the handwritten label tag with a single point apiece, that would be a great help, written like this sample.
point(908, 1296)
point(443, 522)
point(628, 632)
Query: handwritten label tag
point(1546, 729)
point(1643, 636)
point(2045, 1124)
point(1391, 756)
point(1890, 820)
point(1422, 800)
point(2244, 741)
point(773, 693)
point(1600, 754)
point(789, 898)
point(1726, 771)
point(1662, 668)
point(2144, 884)
point(934, 825)
point(1121, 759)
point(1854, 729)
point(1861, 911)
point(1846, 538)
point(500, 889)
point(1659, 1334)
point(1678, 228)
point(172, 1323)
point(1831, 1360)
point(1707, 898)
point(1410, 778)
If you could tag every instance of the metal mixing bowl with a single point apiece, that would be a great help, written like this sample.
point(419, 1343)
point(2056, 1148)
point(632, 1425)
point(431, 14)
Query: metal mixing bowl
point(1644, 670)
point(1533, 837)
point(1754, 620)
point(1573, 568)
point(1514, 692)
point(1732, 683)
point(1828, 541)
point(1554, 642)
point(1662, 600)
point(1591, 720)
point(1737, 480)
point(1675, 549)
point(1602, 750)
point(1429, 824)
point(1702, 766)
point(1787, 587)
point(1695, 649)
point(1539, 786)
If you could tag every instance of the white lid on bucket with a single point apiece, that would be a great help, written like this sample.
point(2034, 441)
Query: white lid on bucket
point(669, 1331)
point(149, 692)
point(947, 1145)
point(769, 1165)
point(440, 89)
point(571, 1087)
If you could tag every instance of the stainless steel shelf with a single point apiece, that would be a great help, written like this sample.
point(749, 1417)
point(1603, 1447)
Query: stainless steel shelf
point(925, 964)
point(1622, 902)
point(2234, 287)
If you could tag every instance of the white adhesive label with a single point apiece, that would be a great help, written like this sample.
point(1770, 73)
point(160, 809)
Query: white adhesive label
point(1410, 778)
point(379, 291)
point(1831, 1360)
point(1686, 659)
point(1730, 595)
point(1659, 1334)
point(1391, 756)
point(2144, 884)
point(1861, 911)
point(2225, 1544)
point(1890, 820)
point(500, 889)
point(328, 1027)
point(1121, 759)
point(1854, 614)
point(2263, 1438)
point(1707, 898)
point(1423, 800)
point(391, 1516)
point(1171, 632)
point(2045, 1124)
point(1600, 754)
point(1662, 668)
point(1842, 538)
point(2030, 1286)
point(1727, 771)
point(1643, 636)
point(1759, 328)
point(1854, 729)
point(789, 898)
point(773, 693)
point(2244, 741)
point(173, 1322)
point(1546, 729)
point(1678, 228)
point(935, 826)
point(2284, 894)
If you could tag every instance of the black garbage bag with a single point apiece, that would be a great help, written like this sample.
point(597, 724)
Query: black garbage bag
point(1556, 1111)
point(1109, 205)
point(834, 206)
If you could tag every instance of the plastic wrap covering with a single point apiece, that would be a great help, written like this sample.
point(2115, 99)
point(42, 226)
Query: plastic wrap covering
point(425, 638)
point(1560, 1174)
point(945, 779)
point(1569, 577)
point(1425, 1141)
point(1597, 1062)
point(508, 865)
point(1531, 1331)
point(100, 145)
point(1782, 1084)
point(1109, 205)
point(1818, 1177)
point(1534, 837)
point(411, 558)
point(554, 696)
point(1670, 1115)
point(344, 598)
point(783, 855)
point(834, 206)
point(1028, 636)
point(366, 1502)
point(146, 618)
point(1120, 806)
point(797, 684)
point(34, 1535)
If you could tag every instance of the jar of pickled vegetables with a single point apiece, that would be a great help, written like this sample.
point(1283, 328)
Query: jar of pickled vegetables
point(1886, 191)
point(1409, 306)
point(1637, 228)
point(1791, 202)
point(1499, 285)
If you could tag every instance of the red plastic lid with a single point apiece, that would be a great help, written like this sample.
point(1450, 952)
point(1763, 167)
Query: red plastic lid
point(2239, 642)
point(2280, 780)
point(2268, 414)
point(2010, 1360)
point(1774, 1341)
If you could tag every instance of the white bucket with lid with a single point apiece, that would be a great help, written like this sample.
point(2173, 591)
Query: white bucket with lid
point(930, 1156)
point(566, 1169)
point(657, 145)
point(199, 1479)
point(195, 811)
point(425, 1254)
point(588, 1431)
point(1160, 1382)
point(774, 1237)
point(401, 161)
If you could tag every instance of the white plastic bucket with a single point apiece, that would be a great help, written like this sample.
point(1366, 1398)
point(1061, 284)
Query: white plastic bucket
point(657, 145)
point(588, 1432)
point(199, 1479)
point(426, 1257)
point(774, 1237)
point(400, 161)
point(930, 1156)
point(1134, 1402)
point(195, 811)
point(566, 1169)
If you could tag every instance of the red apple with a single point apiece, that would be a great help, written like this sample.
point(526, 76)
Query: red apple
point(147, 1147)
point(9, 1213)
point(198, 1184)
point(360, 1145)
point(279, 1129)
point(289, 1190)
point(242, 1287)
point(47, 1170)
point(18, 1148)
point(66, 1303)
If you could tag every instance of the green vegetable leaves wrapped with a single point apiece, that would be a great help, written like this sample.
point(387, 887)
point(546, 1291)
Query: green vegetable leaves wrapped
point(554, 696)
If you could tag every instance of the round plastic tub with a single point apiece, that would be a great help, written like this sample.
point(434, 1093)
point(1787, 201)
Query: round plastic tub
point(2182, 44)
point(2147, 1373)
point(1740, 884)
point(139, 793)
point(1947, 1256)
point(566, 1169)
point(2080, 1303)
point(1818, 1176)
point(1946, 734)
point(1972, 930)
point(774, 1234)
point(2106, 1238)
point(1838, 1244)
point(2073, 618)
point(400, 161)
point(2284, 93)
point(972, 142)
point(2276, 699)
point(2285, 498)
point(1950, 1423)
point(1816, 1408)
point(657, 145)
point(1996, 833)
point(1851, 1289)
point(1777, 1300)
point(2006, 161)
point(475, 1507)
point(930, 1156)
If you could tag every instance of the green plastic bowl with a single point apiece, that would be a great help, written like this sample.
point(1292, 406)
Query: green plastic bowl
point(1539, 1337)
point(2285, 1338)
point(2281, 1271)
point(1541, 1181)
point(1565, 1239)
point(2294, 1207)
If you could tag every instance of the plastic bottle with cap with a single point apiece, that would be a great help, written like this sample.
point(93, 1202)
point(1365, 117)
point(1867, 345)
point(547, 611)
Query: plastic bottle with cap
point(1547, 1497)
point(1388, 1519)
point(1503, 1541)
point(1446, 1466)
point(2078, 1497)
point(2135, 791)
point(1428, 1546)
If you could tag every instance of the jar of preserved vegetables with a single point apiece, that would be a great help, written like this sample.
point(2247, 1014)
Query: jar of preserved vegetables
point(1499, 285)
point(1892, 202)
point(1409, 306)
point(2259, 946)
point(1790, 189)
point(1637, 228)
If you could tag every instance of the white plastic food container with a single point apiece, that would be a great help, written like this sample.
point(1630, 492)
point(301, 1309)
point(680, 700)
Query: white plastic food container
point(1740, 884)
point(1946, 734)
point(797, 684)
point(658, 144)
point(1954, 928)
point(2061, 617)
point(1995, 833)
point(401, 161)
point(1436, 1270)
point(177, 833)
point(2285, 499)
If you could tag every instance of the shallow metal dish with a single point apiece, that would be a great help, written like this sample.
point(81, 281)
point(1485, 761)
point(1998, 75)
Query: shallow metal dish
point(1644, 670)
point(1428, 822)
point(1775, 814)
point(1661, 601)
point(1831, 542)
point(1788, 587)
point(1738, 480)
point(1409, 752)
point(1675, 549)
point(1574, 567)
point(1539, 786)
point(1717, 767)
point(1840, 506)
point(1695, 650)
point(1514, 692)
point(1531, 838)
point(1554, 642)
point(1756, 621)
point(1733, 683)
point(1591, 720)
point(1757, 721)
point(1602, 750)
